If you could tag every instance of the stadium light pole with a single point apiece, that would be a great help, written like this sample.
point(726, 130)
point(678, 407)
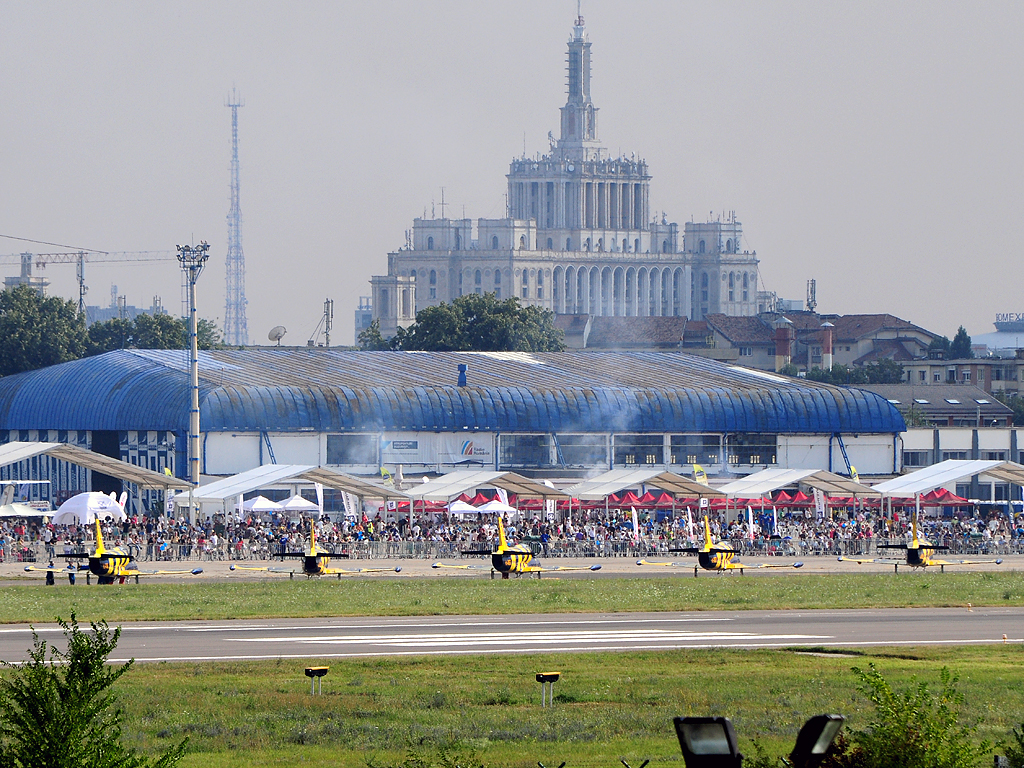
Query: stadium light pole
point(192, 260)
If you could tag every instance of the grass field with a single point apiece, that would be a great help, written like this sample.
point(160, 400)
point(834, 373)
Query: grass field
point(608, 706)
point(408, 597)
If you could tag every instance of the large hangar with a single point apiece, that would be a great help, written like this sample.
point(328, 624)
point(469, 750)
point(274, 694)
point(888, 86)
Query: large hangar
point(558, 414)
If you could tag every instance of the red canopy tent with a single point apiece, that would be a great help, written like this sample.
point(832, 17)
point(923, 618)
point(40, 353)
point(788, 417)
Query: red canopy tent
point(648, 499)
point(628, 499)
point(782, 499)
point(944, 498)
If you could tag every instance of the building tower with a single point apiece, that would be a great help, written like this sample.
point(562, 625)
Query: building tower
point(236, 328)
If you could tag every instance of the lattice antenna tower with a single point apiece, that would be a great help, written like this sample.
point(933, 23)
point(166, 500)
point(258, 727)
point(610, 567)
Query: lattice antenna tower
point(236, 327)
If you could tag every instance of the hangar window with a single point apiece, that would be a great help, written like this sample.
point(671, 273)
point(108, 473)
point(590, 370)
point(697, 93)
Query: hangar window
point(352, 449)
point(630, 450)
point(524, 451)
point(917, 459)
point(956, 456)
point(696, 449)
point(752, 449)
point(584, 451)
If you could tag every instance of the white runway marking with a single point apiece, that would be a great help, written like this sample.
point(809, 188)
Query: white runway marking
point(531, 638)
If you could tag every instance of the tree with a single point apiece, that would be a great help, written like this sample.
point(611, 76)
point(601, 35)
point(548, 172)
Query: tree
point(1014, 401)
point(371, 340)
point(479, 323)
point(37, 331)
point(150, 332)
point(960, 347)
point(59, 712)
point(939, 348)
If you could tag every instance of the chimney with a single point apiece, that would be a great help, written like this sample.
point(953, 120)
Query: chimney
point(783, 343)
point(462, 374)
point(826, 345)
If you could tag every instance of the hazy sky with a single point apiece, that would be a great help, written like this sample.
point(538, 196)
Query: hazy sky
point(874, 146)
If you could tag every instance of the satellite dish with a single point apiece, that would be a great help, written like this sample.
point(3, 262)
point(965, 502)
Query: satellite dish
point(277, 333)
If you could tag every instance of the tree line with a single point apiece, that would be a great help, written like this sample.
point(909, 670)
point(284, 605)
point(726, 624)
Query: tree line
point(37, 331)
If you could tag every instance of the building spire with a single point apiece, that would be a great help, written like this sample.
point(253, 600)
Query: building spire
point(579, 116)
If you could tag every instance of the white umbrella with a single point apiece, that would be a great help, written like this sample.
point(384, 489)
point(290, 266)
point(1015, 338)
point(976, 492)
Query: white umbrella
point(84, 508)
point(261, 504)
point(459, 507)
point(297, 503)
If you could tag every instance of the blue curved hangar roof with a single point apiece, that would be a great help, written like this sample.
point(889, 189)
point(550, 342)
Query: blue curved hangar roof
point(337, 391)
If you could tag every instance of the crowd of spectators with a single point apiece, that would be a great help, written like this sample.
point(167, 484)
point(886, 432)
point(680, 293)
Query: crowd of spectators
point(596, 532)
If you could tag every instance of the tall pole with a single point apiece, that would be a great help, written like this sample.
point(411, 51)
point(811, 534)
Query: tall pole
point(193, 259)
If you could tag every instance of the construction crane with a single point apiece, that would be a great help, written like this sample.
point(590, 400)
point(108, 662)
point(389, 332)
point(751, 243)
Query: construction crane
point(79, 258)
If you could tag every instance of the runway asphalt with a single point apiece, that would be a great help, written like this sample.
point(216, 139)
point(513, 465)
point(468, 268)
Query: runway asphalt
point(415, 636)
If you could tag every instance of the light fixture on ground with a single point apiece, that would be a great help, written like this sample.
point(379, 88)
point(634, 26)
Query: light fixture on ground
point(710, 742)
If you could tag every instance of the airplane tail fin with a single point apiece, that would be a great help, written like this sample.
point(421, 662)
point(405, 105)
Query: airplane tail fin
point(707, 534)
point(502, 544)
point(99, 539)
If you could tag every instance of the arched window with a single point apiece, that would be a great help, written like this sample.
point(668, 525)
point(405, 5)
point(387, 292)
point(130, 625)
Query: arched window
point(732, 279)
point(494, 243)
point(551, 244)
point(522, 242)
point(704, 280)
point(568, 243)
point(540, 277)
point(636, 245)
point(600, 244)
point(664, 246)
point(497, 277)
point(430, 243)
point(458, 242)
point(477, 278)
point(433, 277)
point(625, 246)
point(728, 246)
point(586, 245)
point(745, 283)
point(412, 274)
point(700, 247)
point(526, 277)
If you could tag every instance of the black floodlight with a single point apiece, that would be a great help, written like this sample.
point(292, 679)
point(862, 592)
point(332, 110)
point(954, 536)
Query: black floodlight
point(814, 740)
point(708, 742)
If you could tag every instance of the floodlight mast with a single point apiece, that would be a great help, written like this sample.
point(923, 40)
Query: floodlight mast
point(192, 260)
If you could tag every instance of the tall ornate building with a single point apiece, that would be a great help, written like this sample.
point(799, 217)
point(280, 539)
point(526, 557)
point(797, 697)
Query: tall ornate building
point(579, 238)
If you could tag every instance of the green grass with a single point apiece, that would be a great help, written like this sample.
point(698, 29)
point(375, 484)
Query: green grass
point(608, 706)
point(443, 596)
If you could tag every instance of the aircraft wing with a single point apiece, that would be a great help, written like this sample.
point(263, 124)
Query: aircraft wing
point(462, 567)
point(54, 569)
point(332, 571)
point(194, 572)
point(542, 569)
point(667, 565)
point(797, 564)
point(997, 561)
point(883, 560)
point(270, 569)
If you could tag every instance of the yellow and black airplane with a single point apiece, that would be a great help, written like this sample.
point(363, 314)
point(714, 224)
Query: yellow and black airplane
point(516, 559)
point(919, 554)
point(108, 565)
point(716, 556)
point(314, 562)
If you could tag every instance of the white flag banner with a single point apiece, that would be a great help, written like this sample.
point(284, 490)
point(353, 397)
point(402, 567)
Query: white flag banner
point(819, 503)
point(750, 521)
point(351, 503)
point(636, 526)
point(689, 523)
point(503, 497)
point(319, 497)
point(775, 520)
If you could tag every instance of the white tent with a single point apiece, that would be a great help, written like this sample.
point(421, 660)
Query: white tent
point(495, 506)
point(458, 507)
point(21, 510)
point(261, 504)
point(299, 503)
point(84, 508)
